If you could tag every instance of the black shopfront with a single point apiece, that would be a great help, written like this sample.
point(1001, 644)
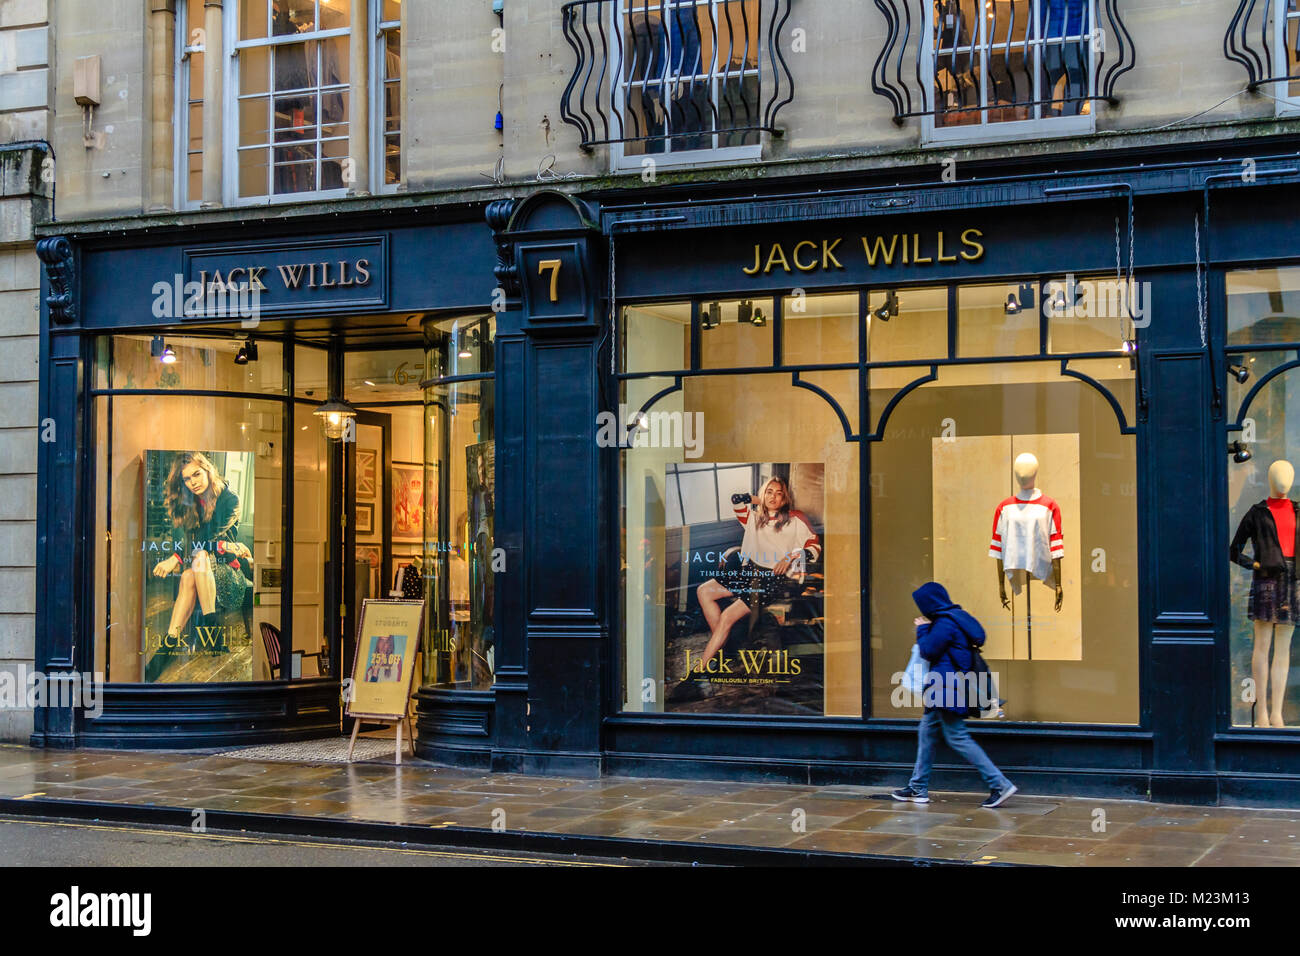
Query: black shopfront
point(898, 355)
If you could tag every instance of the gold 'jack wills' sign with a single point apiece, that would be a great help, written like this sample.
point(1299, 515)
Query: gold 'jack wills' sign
point(322, 275)
point(901, 248)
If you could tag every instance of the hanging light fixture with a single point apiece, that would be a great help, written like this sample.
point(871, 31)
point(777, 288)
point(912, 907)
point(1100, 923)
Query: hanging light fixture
point(1240, 453)
point(711, 316)
point(247, 353)
point(335, 418)
point(1240, 373)
point(758, 318)
point(168, 356)
point(1013, 304)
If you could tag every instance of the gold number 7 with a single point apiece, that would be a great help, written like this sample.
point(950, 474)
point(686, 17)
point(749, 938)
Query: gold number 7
point(554, 266)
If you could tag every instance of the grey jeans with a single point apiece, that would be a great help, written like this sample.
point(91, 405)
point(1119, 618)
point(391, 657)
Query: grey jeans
point(959, 739)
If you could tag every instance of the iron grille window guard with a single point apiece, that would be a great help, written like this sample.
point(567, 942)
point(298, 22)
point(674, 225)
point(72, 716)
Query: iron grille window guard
point(980, 62)
point(1260, 32)
point(665, 76)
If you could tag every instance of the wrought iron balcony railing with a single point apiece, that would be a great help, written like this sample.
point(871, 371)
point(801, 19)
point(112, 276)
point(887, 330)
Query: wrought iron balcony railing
point(977, 62)
point(1264, 37)
point(660, 76)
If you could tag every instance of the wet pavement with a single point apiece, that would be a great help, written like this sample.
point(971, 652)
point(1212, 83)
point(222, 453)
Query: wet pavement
point(1051, 831)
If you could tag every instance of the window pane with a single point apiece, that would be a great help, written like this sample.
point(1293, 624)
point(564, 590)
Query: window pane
point(656, 337)
point(252, 172)
point(200, 363)
point(990, 321)
point(255, 70)
point(392, 10)
point(292, 16)
point(459, 345)
point(820, 329)
point(460, 473)
point(386, 375)
point(736, 334)
point(907, 324)
point(1263, 306)
point(310, 373)
point(295, 66)
point(1098, 321)
point(252, 18)
point(189, 491)
point(954, 493)
point(794, 648)
point(254, 120)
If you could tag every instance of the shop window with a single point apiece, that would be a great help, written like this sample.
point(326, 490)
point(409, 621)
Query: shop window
point(1093, 314)
point(291, 92)
point(1006, 66)
point(311, 373)
point(188, 492)
point(1265, 445)
point(968, 466)
point(460, 506)
point(740, 577)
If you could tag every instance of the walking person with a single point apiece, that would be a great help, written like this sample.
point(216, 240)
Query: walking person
point(946, 636)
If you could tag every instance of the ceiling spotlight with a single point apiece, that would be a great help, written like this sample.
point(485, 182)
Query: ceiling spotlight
point(745, 311)
point(241, 357)
point(758, 317)
point(1240, 373)
point(1240, 453)
point(1013, 304)
point(1129, 347)
point(890, 308)
point(711, 316)
point(156, 346)
point(1059, 304)
point(464, 352)
point(168, 356)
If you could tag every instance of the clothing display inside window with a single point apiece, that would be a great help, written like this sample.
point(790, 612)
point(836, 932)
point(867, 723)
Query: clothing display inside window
point(1270, 527)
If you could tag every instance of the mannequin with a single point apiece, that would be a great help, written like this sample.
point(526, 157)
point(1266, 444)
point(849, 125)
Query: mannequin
point(1272, 528)
point(1027, 535)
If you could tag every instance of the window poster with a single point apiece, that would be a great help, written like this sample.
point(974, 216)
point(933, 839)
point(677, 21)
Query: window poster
point(387, 642)
point(744, 586)
point(197, 551)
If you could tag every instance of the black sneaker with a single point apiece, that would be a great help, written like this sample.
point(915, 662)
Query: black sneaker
point(998, 797)
point(908, 795)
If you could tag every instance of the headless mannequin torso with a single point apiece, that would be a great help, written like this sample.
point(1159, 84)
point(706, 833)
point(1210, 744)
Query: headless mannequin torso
point(1271, 635)
point(1025, 468)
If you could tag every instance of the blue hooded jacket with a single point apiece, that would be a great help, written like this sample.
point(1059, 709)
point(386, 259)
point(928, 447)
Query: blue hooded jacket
point(946, 641)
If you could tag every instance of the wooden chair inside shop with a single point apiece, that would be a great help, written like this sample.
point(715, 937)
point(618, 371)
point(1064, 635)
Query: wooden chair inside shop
point(271, 639)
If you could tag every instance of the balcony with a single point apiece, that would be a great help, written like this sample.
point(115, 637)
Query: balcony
point(676, 80)
point(996, 69)
point(1264, 37)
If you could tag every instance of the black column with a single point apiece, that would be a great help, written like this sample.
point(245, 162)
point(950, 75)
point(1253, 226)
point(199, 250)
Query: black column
point(550, 494)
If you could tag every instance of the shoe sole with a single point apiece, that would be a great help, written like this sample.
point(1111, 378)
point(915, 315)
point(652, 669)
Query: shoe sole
point(1002, 799)
point(910, 799)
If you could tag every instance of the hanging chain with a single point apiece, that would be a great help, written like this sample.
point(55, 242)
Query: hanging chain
point(1132, 281)
point(613, 341)
point(1120, 288)
point(1200, 292)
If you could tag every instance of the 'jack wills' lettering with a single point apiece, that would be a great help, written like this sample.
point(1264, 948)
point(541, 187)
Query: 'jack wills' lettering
point(902, 248)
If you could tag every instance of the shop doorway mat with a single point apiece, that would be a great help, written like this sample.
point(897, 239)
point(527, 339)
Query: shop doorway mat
point(325, 750)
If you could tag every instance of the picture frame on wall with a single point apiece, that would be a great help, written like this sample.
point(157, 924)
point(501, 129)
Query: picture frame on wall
point(367, 473)
point(408, 502)
point(365, 518)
